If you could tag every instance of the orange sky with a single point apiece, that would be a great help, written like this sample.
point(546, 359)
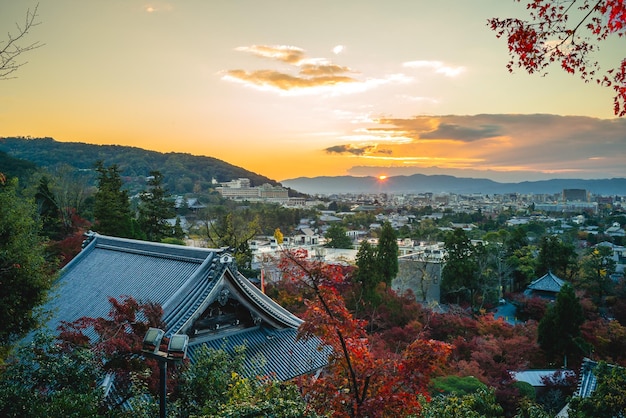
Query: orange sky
point(289, 89)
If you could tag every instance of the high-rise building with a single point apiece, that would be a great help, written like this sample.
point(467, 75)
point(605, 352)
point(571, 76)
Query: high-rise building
point(575, 195)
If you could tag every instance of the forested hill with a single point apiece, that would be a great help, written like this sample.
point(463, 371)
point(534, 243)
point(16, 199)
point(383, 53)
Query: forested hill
point(15, 167)
point(183, 173)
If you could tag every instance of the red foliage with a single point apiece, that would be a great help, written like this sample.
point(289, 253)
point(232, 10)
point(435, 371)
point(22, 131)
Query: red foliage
point(608, 339)
point(359, 381)
point(446, 327)
point(67, 248)
point(550, 36)
point(120, 339)
point(488, 348)
point(531, 308)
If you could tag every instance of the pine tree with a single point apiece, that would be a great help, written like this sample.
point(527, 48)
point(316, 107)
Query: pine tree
point(559, 329)
point(48, 210)
point(112, 206)
point(556, 256)
point(387, 253)
point(368, 273)
point(459, 277)
point(155, 209)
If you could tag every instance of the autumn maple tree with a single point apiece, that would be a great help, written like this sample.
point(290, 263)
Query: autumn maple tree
point(117, 341)
point(567, 32)
point(359, 381)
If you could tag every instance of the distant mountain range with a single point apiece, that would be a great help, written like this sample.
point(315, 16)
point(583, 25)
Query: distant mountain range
point(186, 173)
point(420, 183)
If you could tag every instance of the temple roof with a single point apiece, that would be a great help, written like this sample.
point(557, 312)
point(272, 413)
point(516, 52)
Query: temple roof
point(547, 283)
point(198, 289)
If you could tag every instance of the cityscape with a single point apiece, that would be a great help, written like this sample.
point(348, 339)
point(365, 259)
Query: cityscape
point(326, 209)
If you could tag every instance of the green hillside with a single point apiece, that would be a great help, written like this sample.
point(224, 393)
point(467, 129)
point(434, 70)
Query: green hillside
point(15, 167)
point(183, 173)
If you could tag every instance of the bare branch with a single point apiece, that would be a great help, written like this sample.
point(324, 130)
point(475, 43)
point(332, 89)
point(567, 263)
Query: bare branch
point(14, 47)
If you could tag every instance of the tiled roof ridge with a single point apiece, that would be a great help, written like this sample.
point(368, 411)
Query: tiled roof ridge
point(199, 288)
point(548, 281)
point(587, 380)
point(199, 302)
point(266, 302)
point(149, 253)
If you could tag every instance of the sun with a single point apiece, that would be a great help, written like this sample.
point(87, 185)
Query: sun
point(382, 177)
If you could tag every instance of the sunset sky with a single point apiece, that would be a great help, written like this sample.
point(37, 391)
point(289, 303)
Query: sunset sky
point(320, 88)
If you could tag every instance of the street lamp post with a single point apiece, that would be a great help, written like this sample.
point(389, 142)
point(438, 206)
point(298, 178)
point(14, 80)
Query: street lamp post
point(176, 352)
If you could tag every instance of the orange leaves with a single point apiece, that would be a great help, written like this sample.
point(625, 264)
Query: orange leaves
point(359, 381)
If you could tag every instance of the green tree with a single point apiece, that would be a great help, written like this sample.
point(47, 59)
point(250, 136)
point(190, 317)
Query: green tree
point(559, 330)
point(337, 238)
point(516, 239)
point(387, 253)
point(233, 230)
point(459, 278)
point(61, 198)
point(367, 274)
point(597, 265)
point(493, 271)
point(479, 404)
point(112, 206)
point(556, 256)
point(155, 208)
point(427, 230)
point(25, 275)
point(446, 385)
point(215, 385)
point(48, 210)
point(48, 379)
point(523, 264)
point(609, 397)
point(203, 385)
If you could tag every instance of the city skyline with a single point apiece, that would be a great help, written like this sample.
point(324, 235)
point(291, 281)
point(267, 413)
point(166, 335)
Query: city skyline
point(289, 89)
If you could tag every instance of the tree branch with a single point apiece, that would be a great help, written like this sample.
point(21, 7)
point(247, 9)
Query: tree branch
point(11, 49)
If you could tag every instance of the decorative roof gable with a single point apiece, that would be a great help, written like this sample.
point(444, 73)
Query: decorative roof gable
point(201, 293)
point(547, 283)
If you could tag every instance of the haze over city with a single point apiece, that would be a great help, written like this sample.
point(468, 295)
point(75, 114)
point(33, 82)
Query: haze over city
point(289, 89)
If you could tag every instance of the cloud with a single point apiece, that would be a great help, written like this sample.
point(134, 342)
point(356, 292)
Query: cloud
point(462, 133)
point(322, 69)
point(283, 81)
point(284, 53)
point(437, 66)
point(565, 146)
point(304, 75)
point(348, 149)
point(338, 49)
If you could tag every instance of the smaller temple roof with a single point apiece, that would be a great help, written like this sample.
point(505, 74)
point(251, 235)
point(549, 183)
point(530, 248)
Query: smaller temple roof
point(547, 283)
point(536, 377)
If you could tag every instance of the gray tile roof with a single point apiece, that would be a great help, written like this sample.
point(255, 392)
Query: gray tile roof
point(587, 380)
point(535, 377)
point(115, 267)
point(297, 357)
point(184, 281)
point(547, 283)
